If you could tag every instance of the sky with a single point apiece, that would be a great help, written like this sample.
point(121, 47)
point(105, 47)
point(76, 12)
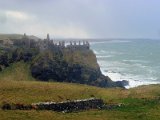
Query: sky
point(82, 18)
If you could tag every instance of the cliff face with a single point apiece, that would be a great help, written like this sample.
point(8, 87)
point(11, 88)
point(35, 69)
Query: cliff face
point(67, 66)
point(76, 66)
point(73, 64)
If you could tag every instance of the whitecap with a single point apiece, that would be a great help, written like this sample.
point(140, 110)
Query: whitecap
point(96, 52)
point(134, 81)
point(105, 56)
point(136, 61)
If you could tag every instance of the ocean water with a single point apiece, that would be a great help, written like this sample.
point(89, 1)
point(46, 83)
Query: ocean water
point(137, 61)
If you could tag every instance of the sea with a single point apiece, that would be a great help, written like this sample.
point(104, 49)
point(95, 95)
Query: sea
point(136, 60)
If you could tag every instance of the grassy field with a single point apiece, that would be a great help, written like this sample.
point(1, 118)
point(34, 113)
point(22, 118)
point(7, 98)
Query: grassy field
point(17, 86)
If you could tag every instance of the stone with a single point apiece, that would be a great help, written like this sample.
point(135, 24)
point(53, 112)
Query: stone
point(70, 106)
point(6, 106)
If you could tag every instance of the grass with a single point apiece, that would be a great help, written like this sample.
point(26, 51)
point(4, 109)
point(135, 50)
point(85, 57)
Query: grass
point(17, 86)
point(10, 36)
point(16, 36)
point(17, 71)
point(85, 58)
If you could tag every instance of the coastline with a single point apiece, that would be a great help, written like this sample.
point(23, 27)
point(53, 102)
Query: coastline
point(114, 76)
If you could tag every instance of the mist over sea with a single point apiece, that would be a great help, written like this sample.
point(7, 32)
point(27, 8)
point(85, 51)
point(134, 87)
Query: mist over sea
point(137, 61)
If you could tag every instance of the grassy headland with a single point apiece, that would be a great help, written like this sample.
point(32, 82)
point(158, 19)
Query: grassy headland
point(17, 86)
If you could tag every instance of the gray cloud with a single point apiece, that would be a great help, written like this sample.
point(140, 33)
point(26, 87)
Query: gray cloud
point(82, 18)
point(3, 18)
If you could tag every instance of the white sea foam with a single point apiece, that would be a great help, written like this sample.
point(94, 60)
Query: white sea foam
point(104, 53)
point(136, 61)
point(134, 81)
point(105, 56)
point(119, 41)
point(96, 52)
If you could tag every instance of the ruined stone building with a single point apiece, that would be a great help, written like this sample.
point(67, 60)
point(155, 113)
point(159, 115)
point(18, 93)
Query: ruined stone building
point(73, 45)
point(46, 44)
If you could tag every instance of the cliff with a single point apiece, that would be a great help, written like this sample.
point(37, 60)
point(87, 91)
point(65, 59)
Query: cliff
point(73, 64)
point(70, 66)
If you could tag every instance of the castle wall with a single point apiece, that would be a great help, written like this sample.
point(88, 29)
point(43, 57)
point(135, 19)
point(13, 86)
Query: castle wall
point(73, 45)
point(50, 44)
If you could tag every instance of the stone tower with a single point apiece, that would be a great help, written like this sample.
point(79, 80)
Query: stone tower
point(26, 40)
point(48, 38)
point(25, 36)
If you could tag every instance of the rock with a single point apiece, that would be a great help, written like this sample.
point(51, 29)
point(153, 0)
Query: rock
point(66, 66)
point(122, 83)
point(1, 68)
point(70, 106)
point(6, 106)
point(14, 55)
point(4, 60)
point(60, 64)
point(65, 106)
point(22, 107)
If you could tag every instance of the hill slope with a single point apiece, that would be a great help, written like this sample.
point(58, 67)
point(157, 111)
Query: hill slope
point(16, 36)
point(17, 71)
point(140, 103)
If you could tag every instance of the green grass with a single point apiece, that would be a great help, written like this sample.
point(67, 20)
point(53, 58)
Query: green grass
point(17, 71)
point(16, 36)
point(17, 86)
point(85, 58)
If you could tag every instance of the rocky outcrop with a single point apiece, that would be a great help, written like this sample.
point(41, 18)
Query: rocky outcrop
point(8, 56)
point(54, 66)
point(4, 60)
point(70, 66)
point(61, 65)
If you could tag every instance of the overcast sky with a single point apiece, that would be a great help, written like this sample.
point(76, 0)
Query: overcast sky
point(82, 18)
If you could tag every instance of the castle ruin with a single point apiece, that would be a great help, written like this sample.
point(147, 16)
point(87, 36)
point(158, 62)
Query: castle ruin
point(45, 44)
point(50, 44)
